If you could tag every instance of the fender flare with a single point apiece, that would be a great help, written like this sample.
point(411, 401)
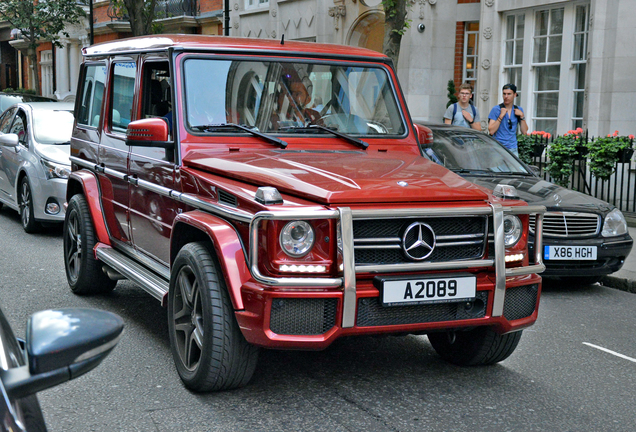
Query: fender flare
point(86, 182)
point(227, 245)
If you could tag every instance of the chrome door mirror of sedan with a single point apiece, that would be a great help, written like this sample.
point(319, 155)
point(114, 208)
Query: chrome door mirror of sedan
point(9, 140)
point(62, 344)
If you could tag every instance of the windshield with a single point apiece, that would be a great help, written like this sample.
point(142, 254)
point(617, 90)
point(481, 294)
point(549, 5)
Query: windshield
point(284, 97)
point(52, 127)
point(474, 151)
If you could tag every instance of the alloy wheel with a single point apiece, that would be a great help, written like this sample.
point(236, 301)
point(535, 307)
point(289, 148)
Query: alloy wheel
point(25, 204)
point(188, 319)
point(73, 246)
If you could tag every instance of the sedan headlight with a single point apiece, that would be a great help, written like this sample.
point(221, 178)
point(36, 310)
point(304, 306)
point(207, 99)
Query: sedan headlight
point(614, 224)
point(297, 238)
point(53, 170)
point(512, 230)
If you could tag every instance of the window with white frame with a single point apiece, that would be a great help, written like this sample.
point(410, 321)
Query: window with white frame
point(471, 53)
point(250, 4)
point(579, 61)
point(545, 55)
point(513, 52)
point(546, 62)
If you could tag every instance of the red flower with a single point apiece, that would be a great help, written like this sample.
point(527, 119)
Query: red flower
point(631, 137)
point(615, 133)
point(547, 135)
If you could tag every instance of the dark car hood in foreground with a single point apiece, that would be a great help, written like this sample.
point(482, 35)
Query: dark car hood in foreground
point(336, 177)
point(537, 191)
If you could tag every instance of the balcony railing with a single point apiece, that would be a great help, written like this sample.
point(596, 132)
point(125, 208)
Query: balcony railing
point(163, 9)
point(175, 8)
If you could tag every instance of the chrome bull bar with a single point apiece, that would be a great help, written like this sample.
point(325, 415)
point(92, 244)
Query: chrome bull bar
point(347, 282)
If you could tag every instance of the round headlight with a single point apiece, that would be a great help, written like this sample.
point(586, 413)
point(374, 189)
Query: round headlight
point(614, 224)
point(512, 230)
point(297, 238)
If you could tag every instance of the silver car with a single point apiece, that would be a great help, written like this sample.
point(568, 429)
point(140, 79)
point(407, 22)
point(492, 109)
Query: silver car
point(34, 160)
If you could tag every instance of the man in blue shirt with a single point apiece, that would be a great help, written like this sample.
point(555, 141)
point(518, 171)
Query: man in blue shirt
point(504, 119)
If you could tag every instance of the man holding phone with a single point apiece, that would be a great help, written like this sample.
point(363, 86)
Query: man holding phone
point(504, 119)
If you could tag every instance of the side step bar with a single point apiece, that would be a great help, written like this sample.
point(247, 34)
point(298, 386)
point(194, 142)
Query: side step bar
point(149, 281)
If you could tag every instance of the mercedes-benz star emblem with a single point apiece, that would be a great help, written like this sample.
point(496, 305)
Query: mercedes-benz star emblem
point(418, 241)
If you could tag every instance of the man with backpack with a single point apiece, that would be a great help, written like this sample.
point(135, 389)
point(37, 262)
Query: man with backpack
point(463, 113)
point(504, 119)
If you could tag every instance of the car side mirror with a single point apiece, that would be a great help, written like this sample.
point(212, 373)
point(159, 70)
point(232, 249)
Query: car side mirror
point(424, 135)
point(535, 170)
point(150, 132)
point(9, 140)
point(61, 345)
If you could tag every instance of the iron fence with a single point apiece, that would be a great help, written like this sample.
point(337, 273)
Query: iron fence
point(619, 189)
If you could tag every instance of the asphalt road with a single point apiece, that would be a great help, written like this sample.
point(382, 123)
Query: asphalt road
point(558, 379)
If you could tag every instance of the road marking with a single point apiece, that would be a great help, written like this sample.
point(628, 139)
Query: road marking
point(610, 352)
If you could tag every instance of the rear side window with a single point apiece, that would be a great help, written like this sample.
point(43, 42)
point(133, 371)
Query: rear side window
point(92, 95)
point(123, 92)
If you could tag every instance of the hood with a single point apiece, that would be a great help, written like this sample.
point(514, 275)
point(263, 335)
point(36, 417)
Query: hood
point(55, 153)
point(537, 191)
point(339, 177)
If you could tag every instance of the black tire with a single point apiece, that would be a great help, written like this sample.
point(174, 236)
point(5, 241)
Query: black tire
point(209, 350)
point(27, 216)
point(480, 346)
point(31, 414)
point(581, 280)
point(83, 271)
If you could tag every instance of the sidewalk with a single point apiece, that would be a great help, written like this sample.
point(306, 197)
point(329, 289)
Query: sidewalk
point(625, 278)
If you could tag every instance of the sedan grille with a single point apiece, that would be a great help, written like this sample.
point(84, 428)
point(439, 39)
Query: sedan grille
point(379, 241)
point(569, 224)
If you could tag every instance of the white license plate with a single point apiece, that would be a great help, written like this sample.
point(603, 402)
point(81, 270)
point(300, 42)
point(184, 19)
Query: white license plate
point(428, 290)
point(586, 253)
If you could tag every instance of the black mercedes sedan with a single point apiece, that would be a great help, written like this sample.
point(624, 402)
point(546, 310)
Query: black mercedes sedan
point(584, 238)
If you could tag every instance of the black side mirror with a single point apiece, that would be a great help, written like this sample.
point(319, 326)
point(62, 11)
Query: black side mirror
point(535, 170)
point(62, 344)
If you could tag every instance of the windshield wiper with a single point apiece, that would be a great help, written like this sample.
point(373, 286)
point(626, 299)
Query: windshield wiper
point(466, 171)
point(62, 143)
point(344, 136)
point(224, 126)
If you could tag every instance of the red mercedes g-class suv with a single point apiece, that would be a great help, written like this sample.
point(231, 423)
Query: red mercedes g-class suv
point(275, 194)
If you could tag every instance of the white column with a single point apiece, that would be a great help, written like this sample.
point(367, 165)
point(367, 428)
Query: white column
point(74, 62)
point(62, 71)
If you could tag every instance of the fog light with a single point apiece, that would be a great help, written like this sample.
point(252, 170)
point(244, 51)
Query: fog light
point(514, 257)
point(52, 208)
point(302, 268)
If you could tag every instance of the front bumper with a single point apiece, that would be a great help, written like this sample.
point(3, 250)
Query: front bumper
point(49, 190)
point(611, 254)
point(313, 320)
point(309, 313)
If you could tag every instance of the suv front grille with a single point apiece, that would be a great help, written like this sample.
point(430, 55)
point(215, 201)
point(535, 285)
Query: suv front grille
point(379, 241)
point(568, 224)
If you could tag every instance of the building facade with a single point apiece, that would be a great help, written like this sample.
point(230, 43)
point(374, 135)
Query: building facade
point(570, 60)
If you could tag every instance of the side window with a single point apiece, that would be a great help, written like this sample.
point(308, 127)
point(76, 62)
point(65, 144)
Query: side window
point(5, 120)
point(92, 95)
point(156, 94)
point(122, 96)
point(19, 127)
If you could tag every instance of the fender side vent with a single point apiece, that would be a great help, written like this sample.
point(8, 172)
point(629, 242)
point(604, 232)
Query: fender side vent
point(227, 198)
